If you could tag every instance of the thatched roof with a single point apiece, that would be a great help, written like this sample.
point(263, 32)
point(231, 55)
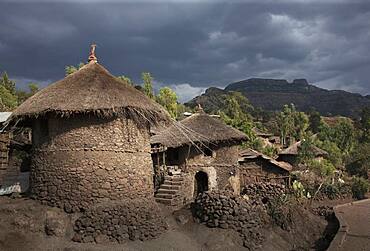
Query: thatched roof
point(294, 150)
point(91, 90)
point(253, 154)
point(198, 128)
point(260, 133)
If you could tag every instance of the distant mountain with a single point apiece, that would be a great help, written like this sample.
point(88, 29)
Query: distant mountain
point(273, 94)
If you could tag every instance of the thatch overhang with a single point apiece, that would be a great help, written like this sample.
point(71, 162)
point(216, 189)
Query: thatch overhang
point(198, 128)
point(250, 154)
point(295, 148)
point(92, 90)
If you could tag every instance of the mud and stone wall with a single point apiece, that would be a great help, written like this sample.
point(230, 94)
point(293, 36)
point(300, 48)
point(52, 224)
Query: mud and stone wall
point(254, 171)
point(263, 191)
point(81, 161)
point(120, 221)
point(218, 209)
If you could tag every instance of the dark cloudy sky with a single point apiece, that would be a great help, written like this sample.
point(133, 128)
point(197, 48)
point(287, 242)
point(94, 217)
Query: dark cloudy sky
point(191, 45)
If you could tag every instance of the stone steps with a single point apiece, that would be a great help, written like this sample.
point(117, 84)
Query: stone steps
point(171, 186)
point(168, 192)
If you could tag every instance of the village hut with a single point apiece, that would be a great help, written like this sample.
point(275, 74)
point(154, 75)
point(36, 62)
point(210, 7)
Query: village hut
point(4, 147)
point(91, 140)
point(257, 167)
point(14, 157)
point(203, 156)
point(290, 154)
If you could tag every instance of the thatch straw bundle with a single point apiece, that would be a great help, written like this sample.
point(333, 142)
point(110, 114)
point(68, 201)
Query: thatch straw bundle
point(199, 128)
point(91, 90)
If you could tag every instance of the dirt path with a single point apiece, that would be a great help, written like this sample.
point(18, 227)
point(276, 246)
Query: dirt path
point(354, 231)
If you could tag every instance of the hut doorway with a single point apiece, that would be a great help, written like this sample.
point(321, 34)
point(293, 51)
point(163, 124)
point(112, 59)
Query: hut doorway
point(201, 182)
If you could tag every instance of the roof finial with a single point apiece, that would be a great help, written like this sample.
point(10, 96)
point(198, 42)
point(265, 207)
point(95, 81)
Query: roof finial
point(92, 57)
point(199, 109)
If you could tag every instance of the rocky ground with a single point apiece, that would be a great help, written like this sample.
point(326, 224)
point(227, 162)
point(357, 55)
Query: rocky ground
point(25, 224)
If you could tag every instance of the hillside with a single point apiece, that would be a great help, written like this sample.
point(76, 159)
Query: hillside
point(272, 94)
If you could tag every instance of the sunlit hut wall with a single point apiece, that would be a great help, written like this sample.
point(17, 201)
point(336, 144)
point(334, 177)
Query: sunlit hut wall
point(90, 139)
point(205, 144)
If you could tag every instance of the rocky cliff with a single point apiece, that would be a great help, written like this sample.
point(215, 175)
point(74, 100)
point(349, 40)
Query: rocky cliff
point(273, 94)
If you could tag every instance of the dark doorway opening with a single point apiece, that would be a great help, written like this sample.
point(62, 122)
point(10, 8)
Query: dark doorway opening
point(201, 183)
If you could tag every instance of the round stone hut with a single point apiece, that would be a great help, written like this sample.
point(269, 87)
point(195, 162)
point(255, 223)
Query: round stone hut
point(91, 141)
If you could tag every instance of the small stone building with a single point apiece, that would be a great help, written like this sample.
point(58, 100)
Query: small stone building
point(202, 153)
point(91, 141)
point(290, 154)
point(256, 167)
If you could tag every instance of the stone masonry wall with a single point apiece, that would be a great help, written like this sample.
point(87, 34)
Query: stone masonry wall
point(82, 161)
point(120, 221)
point(218, 209)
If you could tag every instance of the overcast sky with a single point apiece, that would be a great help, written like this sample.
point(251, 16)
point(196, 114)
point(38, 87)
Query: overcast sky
point(191, 45)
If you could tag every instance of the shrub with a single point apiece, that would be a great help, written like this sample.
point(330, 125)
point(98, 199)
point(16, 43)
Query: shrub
point(323, 168)
point(332, 191)
point(360, 187)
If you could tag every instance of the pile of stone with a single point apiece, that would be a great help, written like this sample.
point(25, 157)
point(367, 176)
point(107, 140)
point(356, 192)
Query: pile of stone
point(263, 191)
point(218, 209)
point(324, 211)
point(129, 220)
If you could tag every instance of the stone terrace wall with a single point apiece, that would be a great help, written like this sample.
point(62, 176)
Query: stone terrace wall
point(79, 162)
point(217, 209)
point(121, 221)
point(263, 191)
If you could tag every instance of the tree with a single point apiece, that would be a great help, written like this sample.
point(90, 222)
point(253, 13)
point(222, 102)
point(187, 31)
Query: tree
point(168, 99)
point(342, 134)
point(7, 83)
point(8, 101)
point(8, 98)
point(359, 163)
point(300, 124)
point(364, 124)
point(23, 95)
point(285, 122)
point(148, 84)
point(69, 69)
point(315, 121)
point(335, 155)
point(233, 115)
point(126, 80)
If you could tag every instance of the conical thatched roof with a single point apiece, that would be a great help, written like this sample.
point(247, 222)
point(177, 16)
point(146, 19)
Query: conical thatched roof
point(91, 90)
point(199, 128)
point(294, 150)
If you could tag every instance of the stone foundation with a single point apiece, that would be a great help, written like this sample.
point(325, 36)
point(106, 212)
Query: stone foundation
point(217, 209)
point(263, 191)
point(120, 221)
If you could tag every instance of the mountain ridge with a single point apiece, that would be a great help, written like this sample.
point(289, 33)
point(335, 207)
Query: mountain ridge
point(273, 94)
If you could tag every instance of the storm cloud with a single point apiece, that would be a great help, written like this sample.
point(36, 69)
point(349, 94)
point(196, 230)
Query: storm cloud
point(191, 45)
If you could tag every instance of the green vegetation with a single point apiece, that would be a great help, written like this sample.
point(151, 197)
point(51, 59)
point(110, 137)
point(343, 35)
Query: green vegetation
point(233, 114)
point(10, 97)
point(360, 187)
point(148, 84)
point(168, 99)
point(291, 123)
point(126, 80)
point(69, 69)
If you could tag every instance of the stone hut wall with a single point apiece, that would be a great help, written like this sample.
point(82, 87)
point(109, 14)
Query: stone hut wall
point(258, 170)
point(219, 167)
point(80, 161)
point(4, 155)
